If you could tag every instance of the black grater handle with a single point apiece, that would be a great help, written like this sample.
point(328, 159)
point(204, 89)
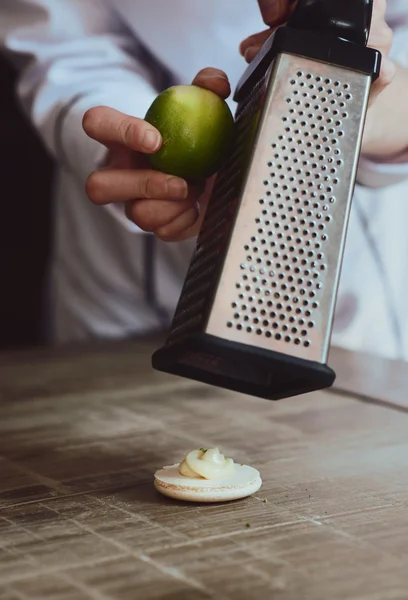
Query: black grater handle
point(241, 368)
point(330, 31)
point(347, 19)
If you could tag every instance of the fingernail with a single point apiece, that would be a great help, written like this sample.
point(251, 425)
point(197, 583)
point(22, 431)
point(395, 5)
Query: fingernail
point(388, 70)
point(177, 188)
point(151, 140)
point(197, 209)
point(250, 53)
point(217, 76)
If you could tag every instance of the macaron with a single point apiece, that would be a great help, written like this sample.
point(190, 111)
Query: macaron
point(244, 482)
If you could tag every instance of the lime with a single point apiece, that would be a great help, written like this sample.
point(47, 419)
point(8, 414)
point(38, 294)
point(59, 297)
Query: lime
point(196, 126)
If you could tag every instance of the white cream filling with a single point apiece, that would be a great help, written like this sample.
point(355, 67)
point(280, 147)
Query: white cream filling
point(207, 464)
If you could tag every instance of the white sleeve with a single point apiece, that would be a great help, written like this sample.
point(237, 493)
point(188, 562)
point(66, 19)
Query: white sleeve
point(380, 174)
point(72, 55)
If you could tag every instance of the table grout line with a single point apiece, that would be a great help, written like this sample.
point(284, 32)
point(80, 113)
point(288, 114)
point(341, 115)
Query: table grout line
point(22, 528)
point(359, 542)
point(82, 587)
point(179, 575)
point(300, 519)
point(71, 495)
point(49, 482)
point(266, 579)
point(27, 557)
point(138, 517)
point(362, 543)
point(357, 511)
point(364, 398)
point(230, 534)
point(56, 570)
point(127, 550)
point(190, 541)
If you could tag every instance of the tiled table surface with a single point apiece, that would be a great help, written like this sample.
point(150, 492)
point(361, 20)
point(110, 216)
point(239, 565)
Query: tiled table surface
point(83, 430)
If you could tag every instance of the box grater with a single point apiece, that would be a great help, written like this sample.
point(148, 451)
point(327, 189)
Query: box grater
point(256, 309)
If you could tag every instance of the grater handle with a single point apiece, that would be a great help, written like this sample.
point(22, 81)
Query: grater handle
point(332, 31)
point(346, 19)
point(245, 369)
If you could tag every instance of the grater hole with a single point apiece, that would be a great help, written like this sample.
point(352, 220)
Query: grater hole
point(301, 176)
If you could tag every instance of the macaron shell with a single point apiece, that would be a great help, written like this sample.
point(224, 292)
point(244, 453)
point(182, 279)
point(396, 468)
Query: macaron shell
point(245, 481)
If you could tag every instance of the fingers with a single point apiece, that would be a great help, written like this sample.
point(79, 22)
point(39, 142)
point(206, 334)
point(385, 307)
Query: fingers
point(178, 229)
point(381, 38)
point(165, 218)
point(213, 80)
point(254, 41)
point(250, 53)
point(379, 9)
point(172, 221)
point(276, 12)
point(381, 34)
point(151, 215)
point(118, 185)
point(111, 128)
point(164, 204)
point(185, 228)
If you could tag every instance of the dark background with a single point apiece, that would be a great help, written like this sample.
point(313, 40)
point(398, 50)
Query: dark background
point(26, 175)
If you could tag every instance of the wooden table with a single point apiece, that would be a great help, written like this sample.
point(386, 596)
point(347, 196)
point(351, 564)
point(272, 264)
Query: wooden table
point(82, 431)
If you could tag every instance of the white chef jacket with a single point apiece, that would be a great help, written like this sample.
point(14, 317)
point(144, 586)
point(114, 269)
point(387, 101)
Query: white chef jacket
point(109, 279)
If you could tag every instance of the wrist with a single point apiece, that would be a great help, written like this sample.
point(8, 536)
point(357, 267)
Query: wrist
point(386, 128)
point(378, 147)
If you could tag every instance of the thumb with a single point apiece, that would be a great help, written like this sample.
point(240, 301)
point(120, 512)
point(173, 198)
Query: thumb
point(254, 41)
point(214, 80)
point(201, 205)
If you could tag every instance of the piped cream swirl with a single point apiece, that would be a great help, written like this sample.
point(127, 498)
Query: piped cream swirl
point(206, 464)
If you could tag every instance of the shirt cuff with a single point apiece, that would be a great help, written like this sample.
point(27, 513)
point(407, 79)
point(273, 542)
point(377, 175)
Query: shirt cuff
point(375, 174)
point(391, 171)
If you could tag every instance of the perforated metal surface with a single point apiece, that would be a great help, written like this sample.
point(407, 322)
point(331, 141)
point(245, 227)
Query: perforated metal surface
point(281, 272)
point(194, 303)
point(285, 259)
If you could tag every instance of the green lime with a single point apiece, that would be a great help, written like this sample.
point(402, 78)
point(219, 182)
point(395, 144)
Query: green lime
point(196, 126)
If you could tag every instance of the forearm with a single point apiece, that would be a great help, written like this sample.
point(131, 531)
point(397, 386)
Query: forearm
point(64, 73)
point(386, 130)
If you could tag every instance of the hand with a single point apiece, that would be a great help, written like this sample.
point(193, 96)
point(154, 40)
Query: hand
point(162, 204)
point(277, 12)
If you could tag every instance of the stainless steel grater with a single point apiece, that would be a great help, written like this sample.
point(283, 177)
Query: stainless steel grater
point(256, 310)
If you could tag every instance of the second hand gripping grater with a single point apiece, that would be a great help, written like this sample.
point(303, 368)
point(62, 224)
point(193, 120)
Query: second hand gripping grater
point(256, 311)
